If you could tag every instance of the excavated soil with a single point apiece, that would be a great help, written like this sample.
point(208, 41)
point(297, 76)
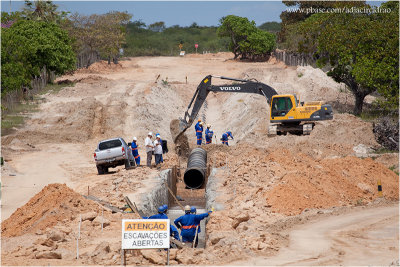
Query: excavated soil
point(55, 203)
point(180, 139)
point(263, 186)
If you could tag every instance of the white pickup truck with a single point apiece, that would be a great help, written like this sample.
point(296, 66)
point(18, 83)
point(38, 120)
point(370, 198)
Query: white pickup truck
point(112, 153)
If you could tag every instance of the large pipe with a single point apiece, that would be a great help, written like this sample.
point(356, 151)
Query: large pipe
point(195, 173)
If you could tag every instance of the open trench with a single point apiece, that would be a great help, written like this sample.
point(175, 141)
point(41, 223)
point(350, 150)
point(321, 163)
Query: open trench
point(201, 198)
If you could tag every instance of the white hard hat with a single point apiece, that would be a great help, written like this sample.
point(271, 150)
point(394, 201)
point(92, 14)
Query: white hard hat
point(208, 125)
point(134, 138)
point(187, 208)
point(158, 136)
point(201, 123)
point(150, 133)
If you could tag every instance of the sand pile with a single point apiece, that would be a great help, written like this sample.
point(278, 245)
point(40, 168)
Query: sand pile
point(78, 121)
point(336, 137)
point(54, 204)
point(101, 67)
point(330, 182)
point(68, 123)
point(259, 188)
point(290, 182)
point(152, 109)
point(90, 79)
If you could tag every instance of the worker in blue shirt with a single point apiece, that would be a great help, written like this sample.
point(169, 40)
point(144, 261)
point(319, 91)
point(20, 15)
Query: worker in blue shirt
point(135, 151)
point(188, 224)
point(161, 215)
point(194, 211)
point(209, 134)
point(225, 136)
point(199, 132)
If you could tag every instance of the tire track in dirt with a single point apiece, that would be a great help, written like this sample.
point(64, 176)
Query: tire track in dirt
point(366, 237)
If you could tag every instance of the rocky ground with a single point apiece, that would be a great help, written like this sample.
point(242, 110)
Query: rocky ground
point(265, 186)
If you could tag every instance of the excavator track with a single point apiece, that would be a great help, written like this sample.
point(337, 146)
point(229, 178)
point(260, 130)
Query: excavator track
point(283, 129)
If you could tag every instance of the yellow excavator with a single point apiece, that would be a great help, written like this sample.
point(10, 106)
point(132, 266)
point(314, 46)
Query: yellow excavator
point(287, 114)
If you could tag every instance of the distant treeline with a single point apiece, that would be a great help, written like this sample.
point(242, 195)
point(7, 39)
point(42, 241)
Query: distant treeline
point(158, 40)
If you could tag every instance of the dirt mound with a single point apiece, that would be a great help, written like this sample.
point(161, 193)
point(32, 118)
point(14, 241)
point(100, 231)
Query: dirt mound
point(77, 121)
point(91, 79)
point(345, 129)
point(55, 203)
point(101, 67)
point(290, 182)
point(330, 182)
point(67, 123)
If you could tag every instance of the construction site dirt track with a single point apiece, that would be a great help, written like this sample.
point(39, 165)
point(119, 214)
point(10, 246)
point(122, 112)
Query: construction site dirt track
point(263, 186)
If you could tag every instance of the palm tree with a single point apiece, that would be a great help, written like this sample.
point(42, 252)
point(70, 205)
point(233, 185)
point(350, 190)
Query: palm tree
point(42, 10)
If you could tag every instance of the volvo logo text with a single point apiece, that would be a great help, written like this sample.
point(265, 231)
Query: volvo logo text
point(229, 88)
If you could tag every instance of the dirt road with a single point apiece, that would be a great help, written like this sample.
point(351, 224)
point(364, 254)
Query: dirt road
point(32, 171)
point(365, 237)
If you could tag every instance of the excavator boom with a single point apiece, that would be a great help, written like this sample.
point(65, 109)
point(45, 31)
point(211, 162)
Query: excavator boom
point(285, 109)
point(205, 86)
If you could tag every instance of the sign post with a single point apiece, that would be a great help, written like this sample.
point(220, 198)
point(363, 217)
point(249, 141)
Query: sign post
point(196, 45)
point(145, 234)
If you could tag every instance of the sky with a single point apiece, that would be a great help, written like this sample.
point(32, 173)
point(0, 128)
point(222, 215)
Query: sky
point(182, 13)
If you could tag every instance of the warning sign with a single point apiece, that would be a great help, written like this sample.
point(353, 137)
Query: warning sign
point(141, 234)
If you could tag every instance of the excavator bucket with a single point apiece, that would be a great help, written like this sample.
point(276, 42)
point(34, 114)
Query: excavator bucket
point(177, 128)
point(183, 125)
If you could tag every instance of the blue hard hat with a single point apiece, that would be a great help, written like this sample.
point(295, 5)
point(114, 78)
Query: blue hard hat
point(161, 209)
point(165, 207)
point(193, 209)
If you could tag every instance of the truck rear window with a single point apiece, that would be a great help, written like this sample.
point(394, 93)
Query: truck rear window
point(110, 144)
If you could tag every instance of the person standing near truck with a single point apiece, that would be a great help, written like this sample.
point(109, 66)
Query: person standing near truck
point(161, 142)
point(157, 150)
point(135, 151)
point(149, 148)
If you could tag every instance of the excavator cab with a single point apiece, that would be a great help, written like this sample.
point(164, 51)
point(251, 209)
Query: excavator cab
point(281, 106)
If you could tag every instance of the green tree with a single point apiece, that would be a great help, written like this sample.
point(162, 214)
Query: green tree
point(299, 11)
point(361, 50)
point(272, 26)
point(157, 26)
point(110, 29)
point(28, 46)
point(104, 33)
point(247, 41)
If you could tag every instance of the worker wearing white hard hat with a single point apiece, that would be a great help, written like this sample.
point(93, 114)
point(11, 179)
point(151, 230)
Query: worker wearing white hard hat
point(189, 223)
point(135, 151)
point(157, 149)
point(209, 134)
point(149, 148)
point(161, 142)
point(199, 132)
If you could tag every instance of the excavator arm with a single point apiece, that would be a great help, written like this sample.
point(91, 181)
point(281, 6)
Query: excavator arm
point(243, 86)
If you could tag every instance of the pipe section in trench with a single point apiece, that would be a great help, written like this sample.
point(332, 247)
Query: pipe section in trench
point(196, 171)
